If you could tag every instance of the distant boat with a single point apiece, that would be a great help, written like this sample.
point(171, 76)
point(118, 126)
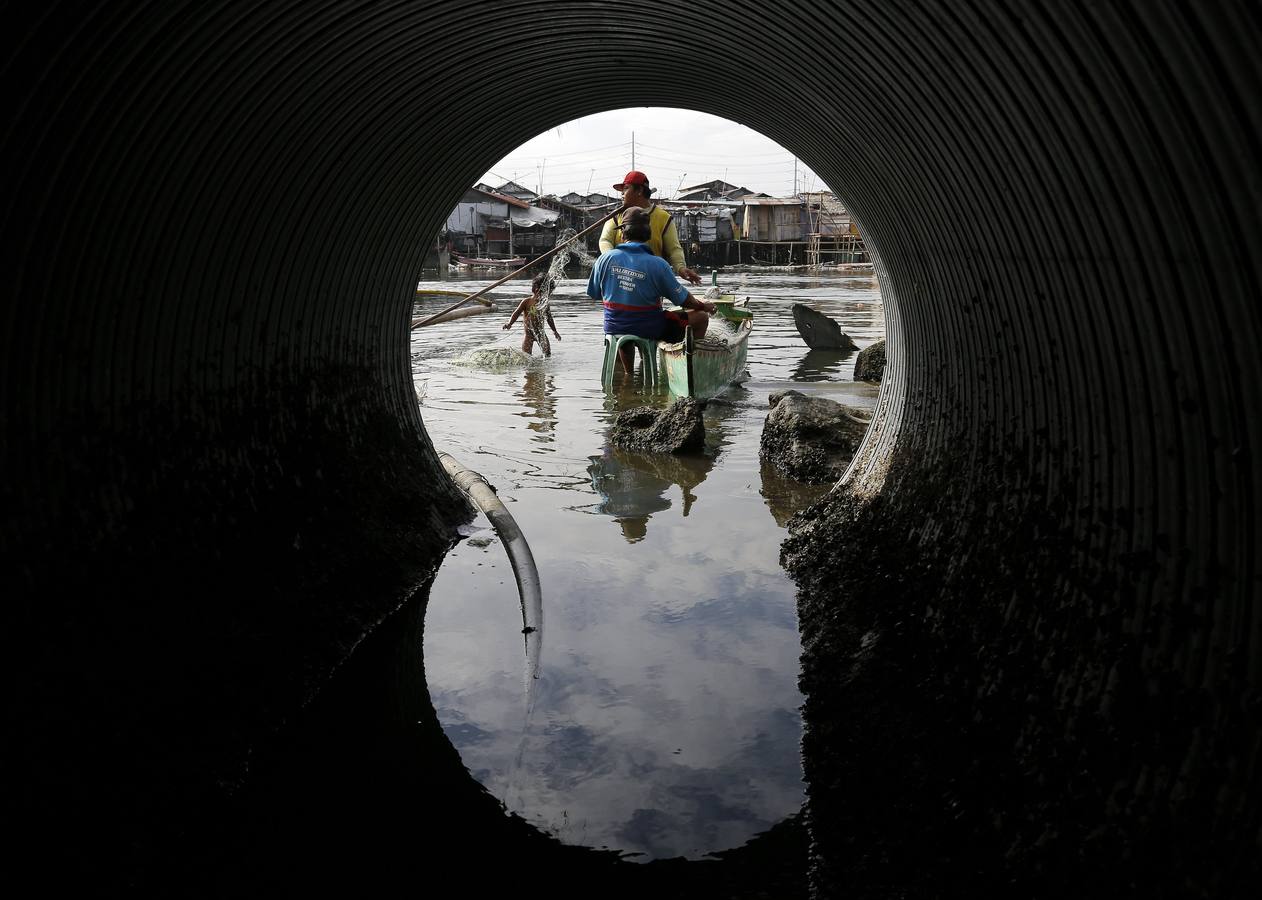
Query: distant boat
point(486, 263)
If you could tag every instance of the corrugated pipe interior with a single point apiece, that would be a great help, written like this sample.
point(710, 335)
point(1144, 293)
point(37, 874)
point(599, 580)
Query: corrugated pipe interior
point(1043, 569)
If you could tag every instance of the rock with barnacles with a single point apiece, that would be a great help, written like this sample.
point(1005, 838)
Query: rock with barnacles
point(810, 439)
point(870, 363)
point(677, 429)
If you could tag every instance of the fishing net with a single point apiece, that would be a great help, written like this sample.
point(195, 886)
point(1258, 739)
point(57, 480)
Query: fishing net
point(536, 319)
point(720, 333)
point(496, 358)
point(576, 250)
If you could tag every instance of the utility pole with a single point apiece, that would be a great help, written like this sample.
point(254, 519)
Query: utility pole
point(633, 151)
point(795, 176)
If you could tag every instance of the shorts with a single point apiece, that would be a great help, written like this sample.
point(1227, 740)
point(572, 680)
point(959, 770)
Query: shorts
point(673, 327)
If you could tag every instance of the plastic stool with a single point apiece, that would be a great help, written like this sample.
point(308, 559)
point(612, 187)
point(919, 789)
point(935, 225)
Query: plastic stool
point(648, 350)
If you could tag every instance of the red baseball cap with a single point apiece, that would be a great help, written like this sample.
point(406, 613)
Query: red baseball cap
point(633, 177)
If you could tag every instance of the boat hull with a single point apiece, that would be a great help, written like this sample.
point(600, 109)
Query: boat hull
point(702, 369)
point(819, 331)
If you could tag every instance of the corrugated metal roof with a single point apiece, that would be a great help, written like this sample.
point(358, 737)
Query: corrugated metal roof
point(771, 201)
point(503, 198)
point(669, 204)
point(534, 216)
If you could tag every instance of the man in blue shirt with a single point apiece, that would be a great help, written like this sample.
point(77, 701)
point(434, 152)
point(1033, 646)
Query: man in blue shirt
point(631, 283)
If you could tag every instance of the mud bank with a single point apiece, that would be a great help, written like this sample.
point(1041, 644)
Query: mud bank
point(174, 622)
point(996, 715)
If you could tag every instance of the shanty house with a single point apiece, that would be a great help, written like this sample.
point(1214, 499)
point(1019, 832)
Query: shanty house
point(594, 200)
point(715, 190)
point(520, 192)
point(825, 214)
point(588, 201)
point(530, 230)
point(701, 224)
point(478, 221)
point(577, 215)
point(773, 219)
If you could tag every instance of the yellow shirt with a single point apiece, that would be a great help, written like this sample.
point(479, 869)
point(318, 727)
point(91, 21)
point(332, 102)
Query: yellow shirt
point(663, 238)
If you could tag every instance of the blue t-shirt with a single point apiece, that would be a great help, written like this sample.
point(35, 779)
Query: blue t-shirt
point(631, 281)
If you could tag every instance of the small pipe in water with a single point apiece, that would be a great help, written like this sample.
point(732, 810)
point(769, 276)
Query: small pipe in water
point(523, 561)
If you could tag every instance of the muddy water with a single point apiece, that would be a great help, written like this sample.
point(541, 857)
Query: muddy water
point(665, 719)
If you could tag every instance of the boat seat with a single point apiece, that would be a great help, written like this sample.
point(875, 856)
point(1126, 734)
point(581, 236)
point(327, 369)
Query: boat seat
point(648, 350)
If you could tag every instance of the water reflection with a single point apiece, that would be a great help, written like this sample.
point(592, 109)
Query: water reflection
point(823, 365)
point(784, 496)
point(537, 393)
point(627, 392)
point(632, 486)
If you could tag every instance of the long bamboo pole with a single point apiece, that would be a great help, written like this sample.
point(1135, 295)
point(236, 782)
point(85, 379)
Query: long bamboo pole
point(463, 313)
point(443, 293)
point(418, 323)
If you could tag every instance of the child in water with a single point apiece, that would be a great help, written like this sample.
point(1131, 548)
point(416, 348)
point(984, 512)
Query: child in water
point(531, 322)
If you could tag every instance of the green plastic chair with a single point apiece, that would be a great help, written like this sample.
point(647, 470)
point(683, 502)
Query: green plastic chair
point(648, 350)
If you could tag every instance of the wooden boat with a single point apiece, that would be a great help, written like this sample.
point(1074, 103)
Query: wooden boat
point(703, 368)
point(484, 263)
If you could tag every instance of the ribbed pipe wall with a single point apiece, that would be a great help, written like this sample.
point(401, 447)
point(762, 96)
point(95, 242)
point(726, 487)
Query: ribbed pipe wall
point(216, 214)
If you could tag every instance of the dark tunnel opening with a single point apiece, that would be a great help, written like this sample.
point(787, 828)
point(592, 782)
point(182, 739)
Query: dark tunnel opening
point(1030, 621)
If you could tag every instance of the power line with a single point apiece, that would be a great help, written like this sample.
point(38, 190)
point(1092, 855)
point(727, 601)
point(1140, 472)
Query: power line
point(714, 156)
point(736, 170)
point(608, 159)
point(773, 178)
point(569, 152)
point(728, 161)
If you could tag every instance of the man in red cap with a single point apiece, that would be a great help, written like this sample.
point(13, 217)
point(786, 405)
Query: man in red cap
point(663, 238)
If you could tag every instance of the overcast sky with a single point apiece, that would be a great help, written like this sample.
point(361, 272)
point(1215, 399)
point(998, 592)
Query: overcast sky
point(674, 147)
